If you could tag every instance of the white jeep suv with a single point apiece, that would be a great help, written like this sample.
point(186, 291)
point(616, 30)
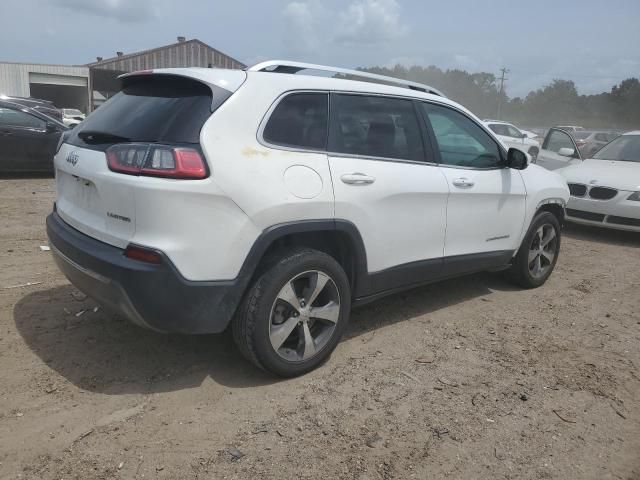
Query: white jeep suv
point(276, 201)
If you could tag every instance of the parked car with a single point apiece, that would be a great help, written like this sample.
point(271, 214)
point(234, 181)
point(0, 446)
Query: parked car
point(605, 189)
point(589, 141)
point(28, 139)
point(529, 134)
point(511, 136)
point(570, 128)
point(72, 116)
point(275, 217)
point(559, 150)
point(43, 106)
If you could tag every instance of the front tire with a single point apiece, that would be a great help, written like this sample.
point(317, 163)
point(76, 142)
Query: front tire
point(294, 314)
point(538, 254)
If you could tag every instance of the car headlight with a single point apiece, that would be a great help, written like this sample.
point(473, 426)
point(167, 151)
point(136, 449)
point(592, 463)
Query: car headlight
point(635, 196)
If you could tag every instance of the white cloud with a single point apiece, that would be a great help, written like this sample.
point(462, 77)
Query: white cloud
point(366, 23)
point(370, 22)
point(304, 20)
point(122, 10)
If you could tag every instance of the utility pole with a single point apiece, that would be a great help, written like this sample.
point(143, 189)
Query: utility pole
point(502, 80)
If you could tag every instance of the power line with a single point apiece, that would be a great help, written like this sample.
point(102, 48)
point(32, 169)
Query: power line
point(502, 80)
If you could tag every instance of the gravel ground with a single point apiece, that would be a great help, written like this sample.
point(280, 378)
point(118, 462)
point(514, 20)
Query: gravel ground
point(469, 378)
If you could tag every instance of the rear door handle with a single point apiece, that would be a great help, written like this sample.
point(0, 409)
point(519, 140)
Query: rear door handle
point(357, 179)
point(463, 182)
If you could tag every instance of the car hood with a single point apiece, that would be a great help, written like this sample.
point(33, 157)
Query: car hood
point(609, 173)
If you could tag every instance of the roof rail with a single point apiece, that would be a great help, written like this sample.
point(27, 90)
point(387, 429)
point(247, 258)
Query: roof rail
point(284, 66)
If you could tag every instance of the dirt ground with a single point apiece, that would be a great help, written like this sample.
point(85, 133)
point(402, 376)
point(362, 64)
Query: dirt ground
point(470, 378)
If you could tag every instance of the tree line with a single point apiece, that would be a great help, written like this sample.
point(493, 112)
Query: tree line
point(557, 103)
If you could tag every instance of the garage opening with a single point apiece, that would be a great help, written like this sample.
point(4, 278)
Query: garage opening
point(64, 91)
point(105, 84)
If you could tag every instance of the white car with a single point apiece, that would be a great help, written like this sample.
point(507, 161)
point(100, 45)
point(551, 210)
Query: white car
point(196, 199)
point(72, 116)
point(570, 128)
point(605, 189)
point(513, 137)
point(529, 134)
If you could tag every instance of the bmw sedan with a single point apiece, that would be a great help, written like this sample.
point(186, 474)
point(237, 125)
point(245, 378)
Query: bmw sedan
point(605, 189)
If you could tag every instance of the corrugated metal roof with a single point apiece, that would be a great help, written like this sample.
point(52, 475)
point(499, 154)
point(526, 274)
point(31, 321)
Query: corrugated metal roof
point(128, 56)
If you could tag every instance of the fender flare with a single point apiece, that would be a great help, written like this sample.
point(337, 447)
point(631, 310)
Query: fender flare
point(275, 232)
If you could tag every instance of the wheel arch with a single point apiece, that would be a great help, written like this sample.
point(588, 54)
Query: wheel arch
point(553, 206)
point(337, 238)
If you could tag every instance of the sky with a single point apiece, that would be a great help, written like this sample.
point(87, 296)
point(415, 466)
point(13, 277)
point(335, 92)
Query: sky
point(592, 42)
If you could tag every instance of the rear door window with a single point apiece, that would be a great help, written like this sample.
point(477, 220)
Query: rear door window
point(300, 120)
point(152, 108)
point(375, 126)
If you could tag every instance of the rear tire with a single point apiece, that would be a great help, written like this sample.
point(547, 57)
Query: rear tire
point(293, 315)
point(538, 253)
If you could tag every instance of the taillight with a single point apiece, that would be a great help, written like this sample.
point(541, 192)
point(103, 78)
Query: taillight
point(142, 254)
point(156, 160)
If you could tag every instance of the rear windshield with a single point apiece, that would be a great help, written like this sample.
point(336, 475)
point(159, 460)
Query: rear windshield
point(154, 108)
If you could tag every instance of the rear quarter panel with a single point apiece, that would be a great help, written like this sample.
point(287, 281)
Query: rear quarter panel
point(252, 174)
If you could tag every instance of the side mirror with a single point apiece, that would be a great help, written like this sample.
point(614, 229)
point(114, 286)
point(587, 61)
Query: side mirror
point(566, 152)
point(51, 127)
point(517, 159)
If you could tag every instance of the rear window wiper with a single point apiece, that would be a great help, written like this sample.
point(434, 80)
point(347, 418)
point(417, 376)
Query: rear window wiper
point(96, 137)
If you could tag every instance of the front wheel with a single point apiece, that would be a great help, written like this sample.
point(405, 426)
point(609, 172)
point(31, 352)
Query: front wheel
point(294, 314)
point(538, 253)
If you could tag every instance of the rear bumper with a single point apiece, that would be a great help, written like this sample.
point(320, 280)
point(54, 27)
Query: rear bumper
point(152, 296)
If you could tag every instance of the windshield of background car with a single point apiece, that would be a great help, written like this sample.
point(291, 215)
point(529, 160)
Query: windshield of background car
point(514, 132)
point(581, 135)
point(625, 148)
point(73, 111)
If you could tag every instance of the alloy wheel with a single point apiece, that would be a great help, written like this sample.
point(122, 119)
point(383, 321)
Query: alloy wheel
point(304, 316)
point(543, 250)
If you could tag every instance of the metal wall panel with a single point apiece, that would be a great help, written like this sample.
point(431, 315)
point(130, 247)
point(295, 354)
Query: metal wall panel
point(14, 77)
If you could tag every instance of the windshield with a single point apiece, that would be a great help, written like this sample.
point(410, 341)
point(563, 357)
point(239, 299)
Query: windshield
point(72, 111)
point(625, 148)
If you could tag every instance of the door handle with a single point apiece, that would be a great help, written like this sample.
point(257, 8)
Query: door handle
point(463, 182)
point(357, 179)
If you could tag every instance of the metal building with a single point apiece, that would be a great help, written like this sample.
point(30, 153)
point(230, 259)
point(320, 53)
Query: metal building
point(87, 86)
point(66, 86)
point(183, 53)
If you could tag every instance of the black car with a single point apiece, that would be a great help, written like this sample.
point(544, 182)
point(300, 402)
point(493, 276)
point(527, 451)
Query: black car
point(43, 106)
point(28, 139)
